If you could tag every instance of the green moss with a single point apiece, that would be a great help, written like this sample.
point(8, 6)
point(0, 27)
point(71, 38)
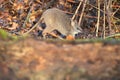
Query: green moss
point(3, 34)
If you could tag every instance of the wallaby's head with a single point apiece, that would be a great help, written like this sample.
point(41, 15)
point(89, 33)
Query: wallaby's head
point(75, 27)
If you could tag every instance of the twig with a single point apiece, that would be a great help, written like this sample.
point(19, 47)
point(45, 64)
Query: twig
point(82, 13)
point(98, 19)
point(11, 2)
point(115, 12)
point(76, 11)
point(113, 35)
point(24, 24)
point(104, 20)
point(108, 9)
point(100, 10)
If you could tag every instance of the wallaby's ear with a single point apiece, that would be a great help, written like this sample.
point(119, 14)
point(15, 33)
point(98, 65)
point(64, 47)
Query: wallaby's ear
point(73, 22)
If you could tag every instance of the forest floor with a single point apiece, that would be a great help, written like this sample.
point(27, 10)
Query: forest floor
point(30, 59)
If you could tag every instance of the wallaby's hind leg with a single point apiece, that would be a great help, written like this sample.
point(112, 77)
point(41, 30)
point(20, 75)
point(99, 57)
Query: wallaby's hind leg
point(46, 30)
point(49, 31)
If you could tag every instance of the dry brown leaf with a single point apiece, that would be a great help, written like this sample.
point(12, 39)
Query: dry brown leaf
point(18, 6)
point(14, 26)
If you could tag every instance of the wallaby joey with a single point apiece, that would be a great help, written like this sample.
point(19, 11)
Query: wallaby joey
point(56, 19)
